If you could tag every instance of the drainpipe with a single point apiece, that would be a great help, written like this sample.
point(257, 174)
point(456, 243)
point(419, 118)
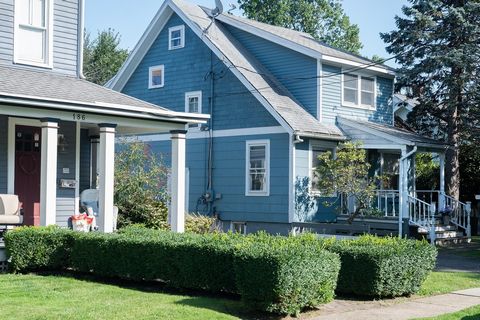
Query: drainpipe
point(81, 26)
point(404, 187)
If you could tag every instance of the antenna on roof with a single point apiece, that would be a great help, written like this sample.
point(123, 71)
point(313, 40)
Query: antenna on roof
point(232, 7)
point(218, 8)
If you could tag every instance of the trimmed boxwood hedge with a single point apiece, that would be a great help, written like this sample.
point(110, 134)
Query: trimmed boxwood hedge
point(383, 267)
point(274, 274)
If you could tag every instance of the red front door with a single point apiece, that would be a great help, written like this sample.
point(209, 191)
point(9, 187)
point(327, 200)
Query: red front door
point(27, 172)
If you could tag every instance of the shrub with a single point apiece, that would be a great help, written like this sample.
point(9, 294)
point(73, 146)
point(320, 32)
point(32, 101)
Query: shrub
point(34, 248)
point(201, 224)
point(383, 267)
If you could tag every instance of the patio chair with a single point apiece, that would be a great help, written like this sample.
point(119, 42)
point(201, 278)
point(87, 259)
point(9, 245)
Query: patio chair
point(10, 210)
point(89, 203)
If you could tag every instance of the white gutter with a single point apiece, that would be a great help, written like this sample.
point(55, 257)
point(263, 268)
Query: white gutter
point(409, 154)
point(81, 27)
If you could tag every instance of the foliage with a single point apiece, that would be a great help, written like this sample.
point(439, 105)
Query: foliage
point(469, 171)
point(383, 267)
point(436, 44)
point(305, 201)
point(80, 297)
point(427, 172)
point(325, 20)
point(34, 248)
point(140, 186)
point(201, 224)
point(102, 57)
point(347, 174)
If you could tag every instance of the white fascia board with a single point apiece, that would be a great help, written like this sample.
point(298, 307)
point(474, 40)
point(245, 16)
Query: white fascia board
point(196, 29)
point(377, 133)
point(141, 48)
point(366, 66)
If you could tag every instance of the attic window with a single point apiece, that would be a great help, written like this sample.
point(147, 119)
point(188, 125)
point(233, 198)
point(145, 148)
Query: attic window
point(359, 91)
point(176, 37)
point(156, 77)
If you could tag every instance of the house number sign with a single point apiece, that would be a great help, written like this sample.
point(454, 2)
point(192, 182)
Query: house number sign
point(79, 116)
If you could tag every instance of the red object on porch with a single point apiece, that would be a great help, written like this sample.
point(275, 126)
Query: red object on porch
point(27, 172)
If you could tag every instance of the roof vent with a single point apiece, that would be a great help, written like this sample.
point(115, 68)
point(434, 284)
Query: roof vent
point(218, 9)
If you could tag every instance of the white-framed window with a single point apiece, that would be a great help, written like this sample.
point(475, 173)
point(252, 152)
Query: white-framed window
point(317, 149)
point(156, 77)
point(33, 43)
point(239, 227)
point(176, 37)
point(258, 168)
point(193, 104)
point(359, 91)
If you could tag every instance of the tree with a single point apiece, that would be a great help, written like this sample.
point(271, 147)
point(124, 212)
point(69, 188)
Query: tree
point(347, 174)
point(102, 57)
point(325, 20)
point(437, 46)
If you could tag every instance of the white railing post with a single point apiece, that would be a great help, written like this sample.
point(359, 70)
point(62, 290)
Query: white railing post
point(468, 209)
point(431, 222)
point(441, 194)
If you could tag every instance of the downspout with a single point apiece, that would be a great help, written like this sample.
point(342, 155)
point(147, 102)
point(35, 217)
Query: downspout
point(404, 199)
point(81, 26)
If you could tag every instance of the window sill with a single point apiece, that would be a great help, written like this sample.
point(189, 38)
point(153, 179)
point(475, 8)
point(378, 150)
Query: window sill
point(34, 64)
point(155, 87)
point(259, 194)
point(358, 106)
point(175, 48)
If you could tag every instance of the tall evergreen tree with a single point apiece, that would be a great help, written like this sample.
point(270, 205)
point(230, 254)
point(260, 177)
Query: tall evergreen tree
point(437, 44)
point(325, 20)
point(102, 57)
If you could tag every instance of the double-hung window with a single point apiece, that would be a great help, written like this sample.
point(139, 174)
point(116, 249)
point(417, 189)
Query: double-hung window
point(358, 91)
point(317, 150)
point(156, 77)
point(193, 103)
point(176, 37)
point(258, 168)
point(33, 26)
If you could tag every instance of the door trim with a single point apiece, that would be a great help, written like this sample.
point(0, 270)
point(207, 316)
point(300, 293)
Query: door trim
point(12, 123)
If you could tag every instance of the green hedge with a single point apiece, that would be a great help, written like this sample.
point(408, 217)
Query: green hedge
point(274, 274)
point(34, 248)
point(383, 267)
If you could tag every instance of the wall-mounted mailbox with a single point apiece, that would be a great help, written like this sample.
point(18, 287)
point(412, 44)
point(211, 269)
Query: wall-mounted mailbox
point(68, 183)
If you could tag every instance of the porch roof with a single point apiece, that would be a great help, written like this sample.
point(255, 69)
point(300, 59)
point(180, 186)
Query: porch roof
point(373, 133)
point(24, 86)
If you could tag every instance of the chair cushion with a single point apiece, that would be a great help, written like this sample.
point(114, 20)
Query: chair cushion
point(9, 204)
point(11, 219)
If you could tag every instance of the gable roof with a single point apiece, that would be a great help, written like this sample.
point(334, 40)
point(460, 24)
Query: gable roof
point(257, 79)
point(19, 83)
point(301, 41)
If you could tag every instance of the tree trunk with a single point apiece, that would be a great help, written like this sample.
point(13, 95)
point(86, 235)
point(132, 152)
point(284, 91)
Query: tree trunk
point(452, 167)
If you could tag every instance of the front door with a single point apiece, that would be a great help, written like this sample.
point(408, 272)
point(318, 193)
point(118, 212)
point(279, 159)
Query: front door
point(27, 172)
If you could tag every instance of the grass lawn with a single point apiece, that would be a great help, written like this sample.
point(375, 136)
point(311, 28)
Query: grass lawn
point(65, 297)
point(472, 313)
point(444, 282)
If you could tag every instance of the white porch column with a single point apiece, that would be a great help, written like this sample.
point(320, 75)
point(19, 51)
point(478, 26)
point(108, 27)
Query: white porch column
point(441, 197)
point(48, 172)
point(106, 175)
point(178, 181)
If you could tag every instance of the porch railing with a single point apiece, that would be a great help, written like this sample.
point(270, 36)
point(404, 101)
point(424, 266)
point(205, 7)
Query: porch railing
point(421, 213)
point(387, 201)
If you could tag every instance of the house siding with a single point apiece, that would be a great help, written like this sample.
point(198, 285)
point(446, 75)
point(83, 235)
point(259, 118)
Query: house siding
point(229, 173)
point(188, 69)
point(85, 154)
point(332, 99)
point(296, 71)
point(66, 159)
point(3, 154)
point(65, 34)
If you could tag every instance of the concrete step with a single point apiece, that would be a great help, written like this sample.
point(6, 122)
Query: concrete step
point(438, 228)
point(450, 241)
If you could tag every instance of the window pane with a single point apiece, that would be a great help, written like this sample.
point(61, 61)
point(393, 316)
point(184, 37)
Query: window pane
point(23, 11)
point(38, 14)
point(350, 95)
point(257, 170)
point(157, 78)
point(367, 84)
point(31, 45)
point(176, 42)
point(193, 104)
point(175, 34)
point(350, 81)
point(315, 163)
point(257, 182)
point(257, 157)
point(367, 98)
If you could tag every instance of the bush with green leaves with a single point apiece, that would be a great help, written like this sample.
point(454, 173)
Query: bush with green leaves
point(36, 248)
point(383, 267)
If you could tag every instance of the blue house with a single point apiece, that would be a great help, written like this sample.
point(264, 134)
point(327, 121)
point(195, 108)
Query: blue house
point(277, 99)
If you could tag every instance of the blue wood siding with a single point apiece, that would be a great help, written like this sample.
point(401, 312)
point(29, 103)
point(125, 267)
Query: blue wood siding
point(296, 71)
point(65, 34)
point(332, 99)
point(3, 154)
point(188, 69)
point(66, 159)
point(229, 177)
point(309, 208)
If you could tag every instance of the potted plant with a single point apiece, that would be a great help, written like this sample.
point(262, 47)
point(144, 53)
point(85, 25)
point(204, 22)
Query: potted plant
point(446, 215)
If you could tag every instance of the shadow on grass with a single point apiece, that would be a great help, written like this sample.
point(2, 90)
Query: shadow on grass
point(226, 303)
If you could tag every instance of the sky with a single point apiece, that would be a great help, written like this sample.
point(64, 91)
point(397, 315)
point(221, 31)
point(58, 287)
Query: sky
point(131, 18)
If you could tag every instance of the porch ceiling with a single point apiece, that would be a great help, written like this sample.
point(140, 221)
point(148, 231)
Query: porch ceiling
point(379, 136)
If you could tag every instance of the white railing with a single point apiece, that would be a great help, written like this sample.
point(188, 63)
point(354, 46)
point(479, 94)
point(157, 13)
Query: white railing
point(387, 201)
point(459, 213)
point(421, 213)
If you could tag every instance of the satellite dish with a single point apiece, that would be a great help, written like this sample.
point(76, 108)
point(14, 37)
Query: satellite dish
point(218, 8)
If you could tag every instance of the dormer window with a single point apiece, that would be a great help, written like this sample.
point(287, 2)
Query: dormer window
point(358, 91)
point(176, 37)
point(33, 39)
point(156, 76)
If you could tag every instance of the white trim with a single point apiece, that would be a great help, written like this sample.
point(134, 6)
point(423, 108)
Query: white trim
point(106, 152)
point(291, 178)
point(180, 28)
point(193, 94)
point(216, 133)
point(359, 104)
point(317, 144)
point(244, 224)
point(12, 123)
point(266, 191)
point(319, 90)
point(383, 146)
point(150, 77)
point(48, 173)
point(177, 216)
point(377, 68)
point(77, 166)
point(48, 49)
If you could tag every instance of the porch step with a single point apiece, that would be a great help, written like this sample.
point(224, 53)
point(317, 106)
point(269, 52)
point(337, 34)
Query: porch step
point(438, 228)
point(450, 241)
